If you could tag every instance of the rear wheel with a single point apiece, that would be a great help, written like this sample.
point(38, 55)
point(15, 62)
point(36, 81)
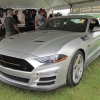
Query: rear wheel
point(76, 68)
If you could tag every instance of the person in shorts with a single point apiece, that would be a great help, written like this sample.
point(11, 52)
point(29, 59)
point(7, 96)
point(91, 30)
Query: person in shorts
point(10, 24)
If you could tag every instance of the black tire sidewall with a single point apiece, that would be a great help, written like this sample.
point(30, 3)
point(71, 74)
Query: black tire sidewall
point(70, 81)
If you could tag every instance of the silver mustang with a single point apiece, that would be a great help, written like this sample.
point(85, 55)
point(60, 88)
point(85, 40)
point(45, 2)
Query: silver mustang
point(52, 56)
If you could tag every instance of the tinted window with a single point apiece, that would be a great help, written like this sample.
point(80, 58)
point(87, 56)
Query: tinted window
point(66, 24)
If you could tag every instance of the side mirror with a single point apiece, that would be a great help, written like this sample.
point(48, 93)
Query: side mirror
point(97, 28)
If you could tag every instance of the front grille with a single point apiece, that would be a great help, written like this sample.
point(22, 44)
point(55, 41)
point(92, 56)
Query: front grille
point(46, 83)
point(15, 77)
point(15, 63)
point(47, 78)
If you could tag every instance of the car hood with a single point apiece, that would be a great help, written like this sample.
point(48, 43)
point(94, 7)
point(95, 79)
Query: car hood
point(38, 42)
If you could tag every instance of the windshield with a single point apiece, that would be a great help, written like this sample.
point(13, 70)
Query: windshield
point(65, 24)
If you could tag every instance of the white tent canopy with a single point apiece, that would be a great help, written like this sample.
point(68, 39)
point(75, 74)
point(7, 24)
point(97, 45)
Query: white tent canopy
point(38, 3)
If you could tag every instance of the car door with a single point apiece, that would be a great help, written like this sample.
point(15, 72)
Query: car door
point(93, 43)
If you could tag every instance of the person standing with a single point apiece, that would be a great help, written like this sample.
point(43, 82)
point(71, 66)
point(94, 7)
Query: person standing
point(16, 17)
point(39, 19)
point(10, 24)
point(50, 16)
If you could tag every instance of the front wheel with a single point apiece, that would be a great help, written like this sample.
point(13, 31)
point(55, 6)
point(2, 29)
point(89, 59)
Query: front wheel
point(76, 68)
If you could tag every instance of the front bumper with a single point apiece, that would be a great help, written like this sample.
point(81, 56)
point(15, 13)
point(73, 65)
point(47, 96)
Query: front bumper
point(29, 87)
point(44, 78)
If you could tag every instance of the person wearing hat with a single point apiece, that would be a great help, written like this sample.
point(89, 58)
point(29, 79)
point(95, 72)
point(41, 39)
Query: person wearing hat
point(10, 24)
point(39, 19)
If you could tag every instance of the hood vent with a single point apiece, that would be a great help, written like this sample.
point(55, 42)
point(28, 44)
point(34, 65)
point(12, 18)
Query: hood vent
point(38, 41)
point(85, 38)
point(11, 38)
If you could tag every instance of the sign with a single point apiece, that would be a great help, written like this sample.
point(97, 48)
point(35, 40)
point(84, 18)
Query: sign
point(89, 7)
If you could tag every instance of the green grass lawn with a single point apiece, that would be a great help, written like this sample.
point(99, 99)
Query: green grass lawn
point(88, 88)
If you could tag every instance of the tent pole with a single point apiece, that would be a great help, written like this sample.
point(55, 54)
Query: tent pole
point(49, 5)
point(69, 3)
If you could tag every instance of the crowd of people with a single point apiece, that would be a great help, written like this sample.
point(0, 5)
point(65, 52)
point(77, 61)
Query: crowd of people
point(11, 20)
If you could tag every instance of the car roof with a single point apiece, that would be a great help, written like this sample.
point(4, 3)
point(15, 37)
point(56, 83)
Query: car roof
point(76, 16)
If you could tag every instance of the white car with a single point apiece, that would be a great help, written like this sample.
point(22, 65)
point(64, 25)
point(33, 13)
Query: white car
point(53, 56)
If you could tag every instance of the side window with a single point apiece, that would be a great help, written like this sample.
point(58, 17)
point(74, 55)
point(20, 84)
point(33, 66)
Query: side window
point(78, 21)
point(94, 24)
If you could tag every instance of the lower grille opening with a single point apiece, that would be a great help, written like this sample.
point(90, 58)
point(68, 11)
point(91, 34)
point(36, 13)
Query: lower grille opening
point(47, 83)
point(15, 63)
point(47, 78)
point(24, 80)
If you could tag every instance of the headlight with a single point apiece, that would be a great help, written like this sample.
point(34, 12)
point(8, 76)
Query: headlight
point(52, 58)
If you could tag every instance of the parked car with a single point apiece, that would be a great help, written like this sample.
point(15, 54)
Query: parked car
point(52, 56)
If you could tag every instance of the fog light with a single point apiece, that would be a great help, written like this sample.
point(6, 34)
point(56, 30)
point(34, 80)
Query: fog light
point(46, 73)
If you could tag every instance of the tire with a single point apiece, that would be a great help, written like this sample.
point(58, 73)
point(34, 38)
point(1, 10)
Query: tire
point(76, 68)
